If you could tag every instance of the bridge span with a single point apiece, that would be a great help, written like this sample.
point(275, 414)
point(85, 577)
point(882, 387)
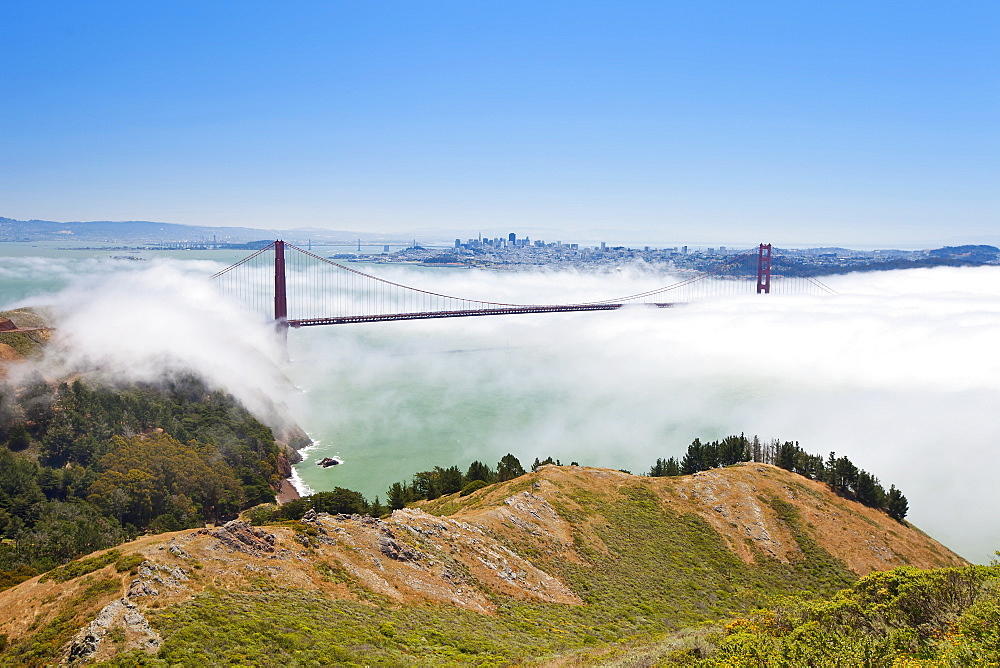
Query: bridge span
point(297, 288)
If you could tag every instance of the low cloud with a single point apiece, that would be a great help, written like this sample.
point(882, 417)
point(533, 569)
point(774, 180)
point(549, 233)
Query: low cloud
point(145, 322)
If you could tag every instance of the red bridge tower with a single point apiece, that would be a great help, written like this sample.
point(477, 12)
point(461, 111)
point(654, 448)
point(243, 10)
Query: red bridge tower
point(764, 269)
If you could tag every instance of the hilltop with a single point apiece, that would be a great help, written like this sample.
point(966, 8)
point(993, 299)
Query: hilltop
point(23, 333)
point(565, 564)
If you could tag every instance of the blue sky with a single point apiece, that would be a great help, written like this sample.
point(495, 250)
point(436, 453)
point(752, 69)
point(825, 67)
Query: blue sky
point(864, 123)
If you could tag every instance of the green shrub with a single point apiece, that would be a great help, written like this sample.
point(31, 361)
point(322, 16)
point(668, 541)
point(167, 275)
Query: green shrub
point(128, 562)
point(947, 616)
point(473, 486)
point(75, 569)
point(261, 514)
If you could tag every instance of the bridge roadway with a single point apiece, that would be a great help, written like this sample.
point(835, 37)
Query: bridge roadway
point(427, 315)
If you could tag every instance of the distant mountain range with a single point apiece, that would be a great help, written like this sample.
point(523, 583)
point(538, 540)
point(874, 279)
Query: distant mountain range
point(137, 232)
point(146, 232)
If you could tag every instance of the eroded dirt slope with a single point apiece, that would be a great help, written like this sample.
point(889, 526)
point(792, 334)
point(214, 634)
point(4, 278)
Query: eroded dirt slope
point(737, 501)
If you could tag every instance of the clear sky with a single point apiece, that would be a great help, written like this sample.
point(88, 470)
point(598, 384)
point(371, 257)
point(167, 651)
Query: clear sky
point(870, 122)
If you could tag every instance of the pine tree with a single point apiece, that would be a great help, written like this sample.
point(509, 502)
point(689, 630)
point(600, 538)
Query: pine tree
point(657, 469)
point(870, 491)
point(426, 485)
point(450, 480)
point(830, 470)
point(896, 504)
point(786, 455)
point(399, 495)
point(692, 461)
point(509, 468)
point(845, 476)
point(480, 471)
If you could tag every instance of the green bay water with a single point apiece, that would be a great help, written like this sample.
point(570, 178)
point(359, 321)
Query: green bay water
point(399, 414)
point(385, 434)
point(30, 269)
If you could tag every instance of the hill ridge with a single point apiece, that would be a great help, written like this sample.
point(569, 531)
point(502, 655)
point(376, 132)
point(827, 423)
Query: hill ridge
point(633, 554)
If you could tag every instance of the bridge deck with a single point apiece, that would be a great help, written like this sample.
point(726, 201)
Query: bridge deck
point(427, 315)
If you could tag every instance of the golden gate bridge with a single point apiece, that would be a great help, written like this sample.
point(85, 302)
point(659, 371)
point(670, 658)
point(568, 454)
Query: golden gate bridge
point(297, 288)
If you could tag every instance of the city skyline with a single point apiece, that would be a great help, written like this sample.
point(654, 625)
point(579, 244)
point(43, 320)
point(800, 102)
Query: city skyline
point(851, 124)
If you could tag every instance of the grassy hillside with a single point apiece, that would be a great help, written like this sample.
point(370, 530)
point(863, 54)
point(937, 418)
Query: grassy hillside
point(15, 346)
point(567, 564)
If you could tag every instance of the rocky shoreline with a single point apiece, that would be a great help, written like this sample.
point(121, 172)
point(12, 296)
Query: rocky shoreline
point(286, 492)
point(290, 438)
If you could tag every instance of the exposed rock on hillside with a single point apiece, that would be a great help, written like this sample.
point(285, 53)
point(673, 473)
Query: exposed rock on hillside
point(738, 503)
point(22, 334)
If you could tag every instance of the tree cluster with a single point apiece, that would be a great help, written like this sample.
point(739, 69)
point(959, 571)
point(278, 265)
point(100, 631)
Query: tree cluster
point(424, 485)
point(339, 501)
point(84, 467)
point(839, 473)
point(441, 481)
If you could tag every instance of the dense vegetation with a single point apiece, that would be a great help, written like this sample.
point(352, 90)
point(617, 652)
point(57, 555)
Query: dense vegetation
point(337, 501)
point(904, 617)
point(838, 472)
point(84, 467)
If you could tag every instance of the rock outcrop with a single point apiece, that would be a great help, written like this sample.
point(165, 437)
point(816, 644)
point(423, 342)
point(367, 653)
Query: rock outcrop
point(242, 537)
